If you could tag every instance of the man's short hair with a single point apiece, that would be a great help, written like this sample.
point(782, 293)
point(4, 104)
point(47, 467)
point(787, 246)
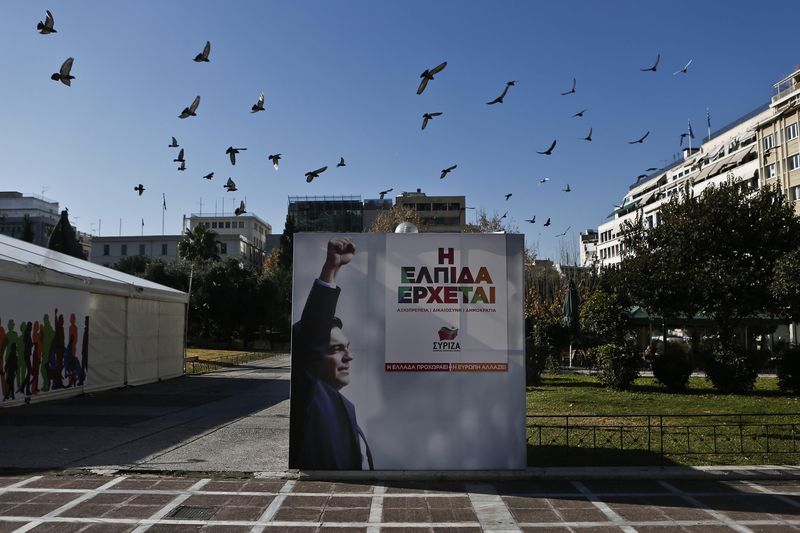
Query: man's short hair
point(336, 323)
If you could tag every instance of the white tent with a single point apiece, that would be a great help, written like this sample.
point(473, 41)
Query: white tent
point(91, 327)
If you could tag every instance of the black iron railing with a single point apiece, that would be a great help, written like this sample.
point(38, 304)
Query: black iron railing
point(670, 435)
point(197, 365)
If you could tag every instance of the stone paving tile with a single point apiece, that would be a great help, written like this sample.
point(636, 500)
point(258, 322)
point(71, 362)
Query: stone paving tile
point(243, 485)
point(534, 487)
point(285, 529)
point(59, 498)
point(233, 500)
point(456, 529)
point(6, 481)
point(564, 529)
point(454, 502)
point(304, 501)
point(298, 514)
point(685, 529)
point(327, 487)
point(154, 483)
point(406, 487)
point(453, 515)
point(777, 485)
point(777, 528)
point(345, 515)
point(180, 528)
point(343, 529)
point(657, 508)
point(406, 515)
point(535, 515)
point(60, 527)
point(707, 486)
point(8, 527)
point(526, 502)
point(406, 502)
point(582, 515)
point(68, 482)
point(753, 507)
point(576, 502)
point(624, 486)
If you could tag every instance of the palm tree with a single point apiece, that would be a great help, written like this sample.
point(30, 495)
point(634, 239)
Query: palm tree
point(198, 244)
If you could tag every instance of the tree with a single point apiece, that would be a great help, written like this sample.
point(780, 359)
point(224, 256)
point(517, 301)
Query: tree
point(785, 286)
point(490, 224)
point(714, 254)
point(136, 265)
point(199, 244)
point(388, 220)
point(27, 229)
point(287, 243)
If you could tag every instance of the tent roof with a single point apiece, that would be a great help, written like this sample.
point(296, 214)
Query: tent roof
point(26, 262)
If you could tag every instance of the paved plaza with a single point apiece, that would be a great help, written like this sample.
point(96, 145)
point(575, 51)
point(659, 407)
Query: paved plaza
point(209, 453)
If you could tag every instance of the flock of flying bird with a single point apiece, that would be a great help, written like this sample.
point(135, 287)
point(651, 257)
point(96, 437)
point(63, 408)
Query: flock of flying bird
point(64, 75)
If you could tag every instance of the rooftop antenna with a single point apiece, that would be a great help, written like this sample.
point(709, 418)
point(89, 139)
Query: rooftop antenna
point(44, 189)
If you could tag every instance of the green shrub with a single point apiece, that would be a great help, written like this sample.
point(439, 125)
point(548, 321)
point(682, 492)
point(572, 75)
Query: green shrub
point(548, 338)
point(672, 367)
point(535, 362)
point(617, 364)
point(732, 369)
point(789, 369)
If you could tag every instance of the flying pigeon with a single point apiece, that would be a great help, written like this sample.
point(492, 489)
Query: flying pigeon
point(683, 136)
point(565, 232)
point(549, 150)
point(684, 70)
point(571, 90)
point(259, 106)
point(427, 116)
point(566, 189)
point(446, 171)
point(46, 26)
point(531, 220)
point(650, 169)
point(580, 113)
point(240, 210)
point(274, 158)
point(174, 143)
point(191, 110)
point(546, 223)
point(428, 75)
point(384, 193)
point(208, 176)
point(315, 174)
point(183, 166)
point(231, 151)
point(508, 196)
point(140, 188)
point(640, 176)
point(504, 215)
point(641, 139)
point(499, 99)
point(543, 180)
point(180, 157)
point(341, 162)
point(230, 185)
point(588, 137)
point(203, 56)
point(63, 74)
point(654, 67)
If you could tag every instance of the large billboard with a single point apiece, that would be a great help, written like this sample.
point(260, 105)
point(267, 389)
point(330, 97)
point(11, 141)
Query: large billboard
point(407, 352)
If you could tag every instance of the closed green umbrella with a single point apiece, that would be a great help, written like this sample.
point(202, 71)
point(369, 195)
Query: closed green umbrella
point(571, 317)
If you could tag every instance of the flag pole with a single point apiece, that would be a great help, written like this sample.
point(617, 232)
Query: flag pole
point(708, 123)
point(164, 205)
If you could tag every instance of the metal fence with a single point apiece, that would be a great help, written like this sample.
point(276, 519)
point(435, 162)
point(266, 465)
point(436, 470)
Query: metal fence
point(669, 435)
point(196, 365)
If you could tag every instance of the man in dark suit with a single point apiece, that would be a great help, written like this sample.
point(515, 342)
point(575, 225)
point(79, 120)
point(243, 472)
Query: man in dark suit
point(323, 431)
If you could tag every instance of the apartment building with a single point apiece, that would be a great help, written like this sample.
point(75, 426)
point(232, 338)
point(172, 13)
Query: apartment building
point(437, 213)
point(17, 210)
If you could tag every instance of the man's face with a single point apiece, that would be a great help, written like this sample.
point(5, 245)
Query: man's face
point(336, 363)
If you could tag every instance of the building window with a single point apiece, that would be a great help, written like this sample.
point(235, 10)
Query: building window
point(213, 224)
point(791, 131)
point(106, 249)
point(223, 248)
point(770, 171)
point(123, 249)
point(227, 224)
point(164, 249)
point(768, 142)
point(141, 249)
point(241, 224)
point(794, 161)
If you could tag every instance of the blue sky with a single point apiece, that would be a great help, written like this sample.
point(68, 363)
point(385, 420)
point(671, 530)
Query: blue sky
point(340, 80)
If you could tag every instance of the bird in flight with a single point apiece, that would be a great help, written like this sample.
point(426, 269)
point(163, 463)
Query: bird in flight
point(499, 99)
point(174, 143)
point(640, 176)
point(641, 139)
point(231, 151)
point(580, 113)
point(180, 156)
point(651, 169)
point(571, 90)
point(446, 171)
point(588, 137)
point(427, 116)
point(240, 210)
point(208, 176)
point(183, 166)
point(549, 150)
point(203, 56)
point(543, 180)
point(546, 223)
point(341, 162)
point(531, 220)
point(566, 189)
point(315, 174)
point(230, 185)
point(63, 75)
point(684, 70)
point(683, 136)
point(654, 67)
point(504, 215)
point(140, 188)
point(427, 75)
point(258, 106)
point(191, 110)
point(384, 193)
point(565, 232)
point(508, 196)
point(46, 26)
point(274, 158)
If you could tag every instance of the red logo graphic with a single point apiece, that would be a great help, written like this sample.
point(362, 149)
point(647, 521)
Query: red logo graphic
point(447, 334)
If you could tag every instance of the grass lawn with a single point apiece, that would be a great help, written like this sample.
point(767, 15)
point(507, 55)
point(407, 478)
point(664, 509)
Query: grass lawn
point(597, 435)
point(201, 361)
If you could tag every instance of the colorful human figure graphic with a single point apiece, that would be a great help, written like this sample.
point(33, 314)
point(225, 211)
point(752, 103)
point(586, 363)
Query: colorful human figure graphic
point(84, 351)
point(3, 342)
point(72, 348)
point(26, 365)
point(57, 372)
point(37, 356)
point(48, 335)
point(11, 363)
